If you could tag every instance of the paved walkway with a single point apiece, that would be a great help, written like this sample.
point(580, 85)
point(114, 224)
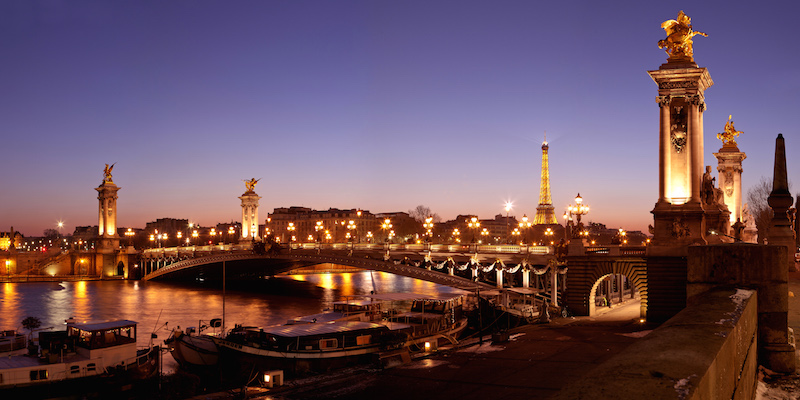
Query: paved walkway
point(536, 363)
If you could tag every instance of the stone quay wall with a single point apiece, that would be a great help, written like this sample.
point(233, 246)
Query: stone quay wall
point(706, 351)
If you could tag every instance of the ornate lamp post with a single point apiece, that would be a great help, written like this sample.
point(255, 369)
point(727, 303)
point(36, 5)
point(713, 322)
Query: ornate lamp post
point(473, 225)
point(428, 225)
point(319, 229)
point(130, 233)
point(578, 209)
point(456, 235)
point(548, 235)
point(525, 225)
point(291, 228)
point(369, 236)
point(485, 235)
point(386, 226)
point(515, 234)
point(508, 206)
point(351, 226)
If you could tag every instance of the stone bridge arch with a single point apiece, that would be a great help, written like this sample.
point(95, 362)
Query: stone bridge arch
point(585, 273)
point(256, 265)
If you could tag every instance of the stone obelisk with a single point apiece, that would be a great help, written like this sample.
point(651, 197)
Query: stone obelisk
point(778, 350)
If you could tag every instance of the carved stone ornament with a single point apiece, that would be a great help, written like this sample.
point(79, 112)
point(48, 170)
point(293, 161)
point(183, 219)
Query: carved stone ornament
point(678, 140)
point(678, 128)
point(680, 229)
point(677, 85)
point(663, 101)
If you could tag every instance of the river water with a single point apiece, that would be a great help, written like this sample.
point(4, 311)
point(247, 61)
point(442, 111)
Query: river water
point(161, 306)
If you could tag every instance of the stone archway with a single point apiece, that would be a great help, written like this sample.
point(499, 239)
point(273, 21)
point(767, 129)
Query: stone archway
point(585, 273)
point(120, 268)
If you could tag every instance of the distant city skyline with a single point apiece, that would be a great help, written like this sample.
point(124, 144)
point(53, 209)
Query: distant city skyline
point(372, 105)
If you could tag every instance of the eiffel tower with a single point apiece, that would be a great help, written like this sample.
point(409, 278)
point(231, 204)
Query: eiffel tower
point(545, 213)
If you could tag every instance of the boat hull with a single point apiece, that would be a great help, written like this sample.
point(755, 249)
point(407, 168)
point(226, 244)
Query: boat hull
point(194, 351)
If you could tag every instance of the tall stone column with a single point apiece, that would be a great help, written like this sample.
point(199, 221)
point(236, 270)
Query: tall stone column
point(249, 212)
point(678, 214)
point(107, 215)
point(729, 170)
point(105, 258)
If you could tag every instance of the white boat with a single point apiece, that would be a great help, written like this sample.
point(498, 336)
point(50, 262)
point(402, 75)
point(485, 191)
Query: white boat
point(85, 358)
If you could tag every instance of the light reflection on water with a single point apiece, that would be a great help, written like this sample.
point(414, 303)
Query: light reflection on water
point(159, 306)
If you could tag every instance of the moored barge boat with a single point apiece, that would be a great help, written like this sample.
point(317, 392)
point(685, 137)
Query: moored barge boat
point(305, 346)
point(85, 358)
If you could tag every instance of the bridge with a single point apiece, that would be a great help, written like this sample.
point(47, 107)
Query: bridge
point(464, 266)
point(469, 267)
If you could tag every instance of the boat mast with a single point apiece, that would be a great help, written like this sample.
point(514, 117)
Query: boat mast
point(223, 299)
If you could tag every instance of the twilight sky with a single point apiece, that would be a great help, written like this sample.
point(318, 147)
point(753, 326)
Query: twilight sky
point(379, 105)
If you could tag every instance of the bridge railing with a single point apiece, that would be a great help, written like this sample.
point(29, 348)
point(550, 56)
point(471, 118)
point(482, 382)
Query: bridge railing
point(420, 247)
point(417, 247)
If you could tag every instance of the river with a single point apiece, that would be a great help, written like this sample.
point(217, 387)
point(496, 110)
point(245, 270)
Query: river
point(161, 306)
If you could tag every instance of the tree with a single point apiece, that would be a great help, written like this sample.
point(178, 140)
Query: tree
point(31, 323)
point(422, 212)
point(51, 234)
point(758, 205)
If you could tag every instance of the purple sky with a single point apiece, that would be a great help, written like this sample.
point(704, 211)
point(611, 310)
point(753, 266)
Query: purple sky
point(375, 104)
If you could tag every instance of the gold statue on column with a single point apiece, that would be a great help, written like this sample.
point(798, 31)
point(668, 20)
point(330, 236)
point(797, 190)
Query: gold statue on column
point(107, 173)
point(728, 137)
point(678, 43)
point(251, 184)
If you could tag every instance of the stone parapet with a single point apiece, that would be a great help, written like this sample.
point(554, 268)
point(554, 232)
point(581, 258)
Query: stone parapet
point(707, 351)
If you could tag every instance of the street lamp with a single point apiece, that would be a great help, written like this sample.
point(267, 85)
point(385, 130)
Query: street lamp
point(351, 226)
point(213, 234)
point(473, 225)
point(578, 209)
point(291, 228)
point(548, 234)
point(456, 235)
point(386, 225)
point(195, 235)
point(369, 236)
point(515, 234)
point(129, 233)
point(319, 228)
point(428, 225)
point(526, 225)
point(485, 236)
point(508, 206)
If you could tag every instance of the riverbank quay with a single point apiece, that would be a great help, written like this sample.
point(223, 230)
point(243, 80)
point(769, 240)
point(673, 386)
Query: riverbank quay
point(537, 361)
point(52, 278)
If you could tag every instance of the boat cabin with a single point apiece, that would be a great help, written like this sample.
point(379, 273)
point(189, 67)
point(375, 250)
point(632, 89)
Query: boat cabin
point(316, 337)
point(349, 310)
